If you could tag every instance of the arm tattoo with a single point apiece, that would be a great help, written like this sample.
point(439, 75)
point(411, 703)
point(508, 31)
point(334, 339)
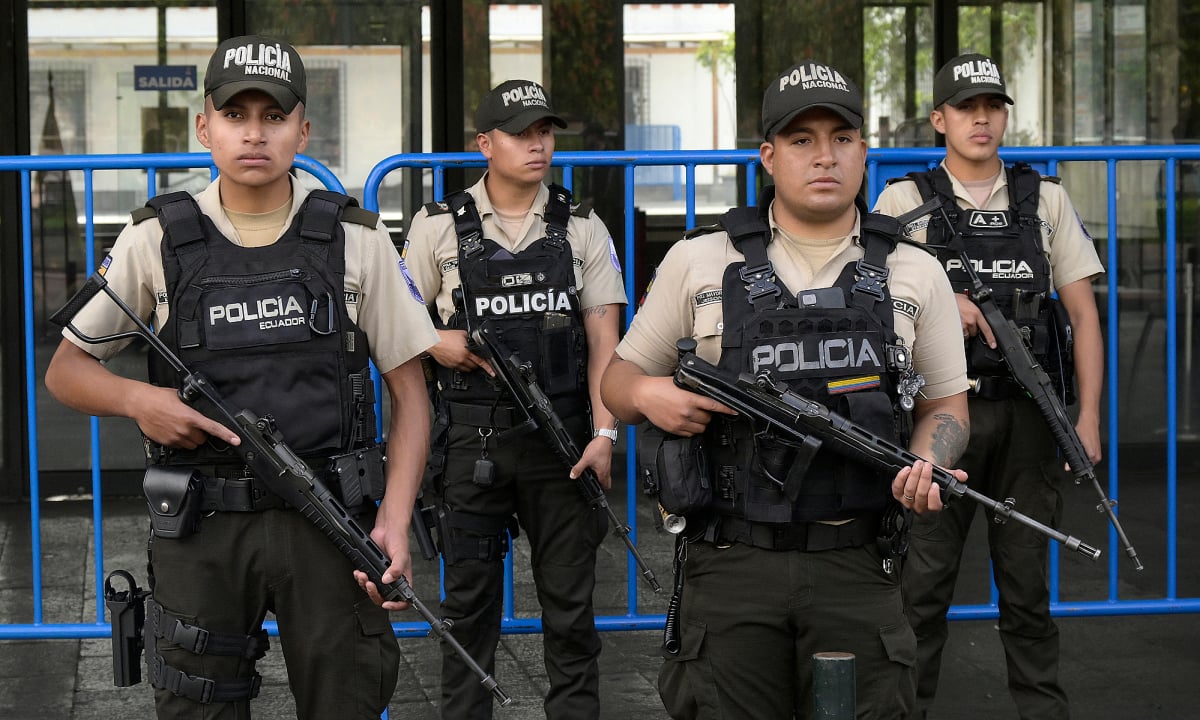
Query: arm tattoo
point(949, 439)
point(597, 310)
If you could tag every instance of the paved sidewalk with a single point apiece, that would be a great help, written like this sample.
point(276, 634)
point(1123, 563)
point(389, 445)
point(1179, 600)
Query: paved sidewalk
point(1112, 667)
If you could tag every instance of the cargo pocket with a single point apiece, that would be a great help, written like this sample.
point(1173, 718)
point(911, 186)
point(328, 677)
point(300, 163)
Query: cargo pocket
point(900, 643)
point(685, 680)
point(377, 658)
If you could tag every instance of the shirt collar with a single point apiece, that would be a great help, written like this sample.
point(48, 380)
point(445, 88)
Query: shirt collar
point(209, 200)
point(483, 203)
point(855, 232)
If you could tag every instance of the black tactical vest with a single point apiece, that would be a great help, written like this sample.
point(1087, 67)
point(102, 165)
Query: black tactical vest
point(835, 345)
point(1006, 249)
point(268, 325)
point(529, 298)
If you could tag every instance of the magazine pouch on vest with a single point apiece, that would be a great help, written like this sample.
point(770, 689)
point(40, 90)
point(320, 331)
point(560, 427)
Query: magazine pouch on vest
point(674, 469)
point(530, 298)
point(269, 326)
point(835, 345)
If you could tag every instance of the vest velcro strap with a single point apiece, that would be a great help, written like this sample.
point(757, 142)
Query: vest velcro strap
point(467, 223)
point(749, 233)
point(180, 218)
point(805, 537)
point(320, 220)
point(558, 215)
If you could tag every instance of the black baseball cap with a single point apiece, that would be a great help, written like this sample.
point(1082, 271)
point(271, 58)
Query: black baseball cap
point(253, 62)
point(513, 106)
point(967, 76)
point(806, 85)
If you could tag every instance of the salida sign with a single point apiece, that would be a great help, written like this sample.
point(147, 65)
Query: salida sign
point(164, 77)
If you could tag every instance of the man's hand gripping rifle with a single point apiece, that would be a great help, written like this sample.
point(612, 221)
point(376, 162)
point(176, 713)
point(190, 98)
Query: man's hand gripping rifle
point(768, 404)
point(268, 456)
point(1027, 371)
point(518, 378)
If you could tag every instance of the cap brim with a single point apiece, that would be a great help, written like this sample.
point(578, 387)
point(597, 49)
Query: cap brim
point(283, 95)
point(855, 120)
point(524, 120)
point(969, 93)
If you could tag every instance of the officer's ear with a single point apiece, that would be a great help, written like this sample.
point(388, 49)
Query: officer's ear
point(766, 155)
point(202, 124)
point(937, 119)
point(484, 142)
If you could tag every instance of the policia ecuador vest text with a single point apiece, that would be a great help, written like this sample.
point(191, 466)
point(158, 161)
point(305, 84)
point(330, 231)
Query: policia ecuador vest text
point(836, 345)
point(1006, 250)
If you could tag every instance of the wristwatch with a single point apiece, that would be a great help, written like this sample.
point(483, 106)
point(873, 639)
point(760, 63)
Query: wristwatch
point(610, 433)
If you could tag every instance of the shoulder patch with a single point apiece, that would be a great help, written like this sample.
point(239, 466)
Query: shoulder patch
point(899, 178)
point(1052, 178)
point(437, 208)
point(708, 297)
point(904, 307)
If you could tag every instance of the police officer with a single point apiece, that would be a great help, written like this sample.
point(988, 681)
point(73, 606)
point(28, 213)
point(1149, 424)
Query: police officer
point(281, 297)
point(819, 293)
point(544, 274)
point(1022, 234)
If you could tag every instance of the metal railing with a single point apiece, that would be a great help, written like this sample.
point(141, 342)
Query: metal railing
point(881, 165)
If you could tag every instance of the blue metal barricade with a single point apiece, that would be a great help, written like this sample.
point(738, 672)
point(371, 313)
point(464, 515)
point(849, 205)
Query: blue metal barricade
point(881, 165)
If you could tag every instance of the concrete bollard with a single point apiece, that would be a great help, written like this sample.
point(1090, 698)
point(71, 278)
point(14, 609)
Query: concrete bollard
point(833, 685)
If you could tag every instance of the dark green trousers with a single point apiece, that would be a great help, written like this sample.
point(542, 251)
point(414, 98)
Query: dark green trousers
point(1011, 454)
point(563, 531)
point(341, 653)
point(751, 619)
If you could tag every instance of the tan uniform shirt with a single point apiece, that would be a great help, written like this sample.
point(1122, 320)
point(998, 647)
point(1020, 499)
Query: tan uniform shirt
point(1072, 254)
point(431, 251)
point(379, 297)
point(685, 301)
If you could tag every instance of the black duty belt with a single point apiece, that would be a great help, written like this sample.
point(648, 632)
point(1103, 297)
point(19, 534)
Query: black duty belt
point(227, 489)
point(995, 387)
point(503, 417)
point(806, 537)
point(499, 416)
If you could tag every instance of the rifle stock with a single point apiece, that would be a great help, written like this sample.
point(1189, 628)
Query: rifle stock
point(518, 378)
point(264, 451)
point(762, 400)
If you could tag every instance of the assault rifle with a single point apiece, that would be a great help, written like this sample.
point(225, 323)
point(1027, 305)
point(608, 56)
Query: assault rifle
point(1028, 372)
point(519, 379)
point(769, 404)
point(268, 456)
